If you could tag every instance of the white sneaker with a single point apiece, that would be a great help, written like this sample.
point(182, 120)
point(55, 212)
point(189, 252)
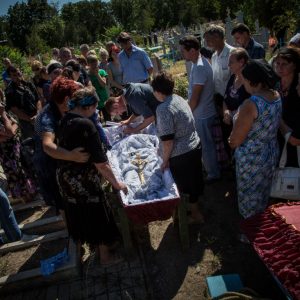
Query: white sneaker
point(28, 237)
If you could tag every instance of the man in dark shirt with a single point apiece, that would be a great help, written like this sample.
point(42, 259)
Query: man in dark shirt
point(140, 99)
point(242, 36)
point(23, 100)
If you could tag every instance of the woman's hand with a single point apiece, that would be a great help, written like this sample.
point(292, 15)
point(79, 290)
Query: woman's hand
point(227, 117)
point(294, 141)
point(164, 166)
point(120, 186)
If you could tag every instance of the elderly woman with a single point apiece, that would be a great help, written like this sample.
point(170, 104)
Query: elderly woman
point(287, 67)
point(180, 142)
point(254, 138)
point(47, 152)
point(89, 218)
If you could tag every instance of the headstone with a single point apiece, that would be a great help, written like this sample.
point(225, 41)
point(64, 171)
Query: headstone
point(240, 17)
point(228, 28)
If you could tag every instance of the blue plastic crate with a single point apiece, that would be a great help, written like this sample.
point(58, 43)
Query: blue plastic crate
point(218, 285)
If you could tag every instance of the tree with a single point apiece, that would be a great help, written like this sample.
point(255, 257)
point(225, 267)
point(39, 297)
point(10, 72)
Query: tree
point(91, 18)
point(23, 16)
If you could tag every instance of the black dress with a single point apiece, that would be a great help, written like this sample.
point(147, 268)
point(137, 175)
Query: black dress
point(291, 117)
point(89, 218)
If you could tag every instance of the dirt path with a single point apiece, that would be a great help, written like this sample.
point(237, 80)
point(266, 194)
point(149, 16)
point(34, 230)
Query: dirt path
point(214, 250)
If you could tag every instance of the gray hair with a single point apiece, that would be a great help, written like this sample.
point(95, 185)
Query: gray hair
point(215, 30)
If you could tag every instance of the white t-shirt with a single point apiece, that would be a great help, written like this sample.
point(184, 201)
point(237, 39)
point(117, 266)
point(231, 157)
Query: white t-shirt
point(202, 74)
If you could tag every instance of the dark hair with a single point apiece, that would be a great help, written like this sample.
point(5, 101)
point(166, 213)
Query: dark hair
point(11, 69)
point(207, 53)
point(240, 28)
point(215, 30)
point(61, 88)
point(85, 97)
point(67, 72)
point(73, 64)
point(240, 53)
point(109, 103)
point(258, 71)
point(189, 42)
point(163, 83)
point(291, 55)
point(123, 37)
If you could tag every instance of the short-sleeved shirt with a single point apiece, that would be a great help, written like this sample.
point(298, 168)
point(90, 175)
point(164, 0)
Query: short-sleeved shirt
point(140, 98)
point(202, 74)
point(221, 72)
point(23, 96)
point(83, 77)
point(116, 72)
point(175, 121)
point(47, 120)
point(135, 67)
point(100, 90)
point(77, 131)
point(255, 50)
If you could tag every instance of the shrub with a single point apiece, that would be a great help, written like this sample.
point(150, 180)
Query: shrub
point(181, 86)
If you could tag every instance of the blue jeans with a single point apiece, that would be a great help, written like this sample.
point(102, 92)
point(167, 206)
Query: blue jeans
point(209, 153)
point(7, 220)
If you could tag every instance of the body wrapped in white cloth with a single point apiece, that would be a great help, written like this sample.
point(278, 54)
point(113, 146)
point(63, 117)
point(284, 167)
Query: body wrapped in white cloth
point(136, 162)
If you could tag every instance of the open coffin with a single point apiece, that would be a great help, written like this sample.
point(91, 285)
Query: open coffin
point(152, 195)
point(275, 236)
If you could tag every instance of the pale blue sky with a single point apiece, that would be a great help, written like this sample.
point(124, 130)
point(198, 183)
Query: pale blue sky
point(4, 4)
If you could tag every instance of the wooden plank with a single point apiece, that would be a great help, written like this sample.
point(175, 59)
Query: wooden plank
point(51, 293)
point(41, 239)
point(63, 291)
point(22, 206)
point(38, 223)
point(34, 277)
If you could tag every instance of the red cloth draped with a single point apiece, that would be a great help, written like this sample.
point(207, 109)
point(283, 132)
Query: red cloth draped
point(275, 235)
point(151, 211)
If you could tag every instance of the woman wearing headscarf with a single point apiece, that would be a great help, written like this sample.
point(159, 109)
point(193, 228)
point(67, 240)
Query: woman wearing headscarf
point(89, 217)
point(254, 138)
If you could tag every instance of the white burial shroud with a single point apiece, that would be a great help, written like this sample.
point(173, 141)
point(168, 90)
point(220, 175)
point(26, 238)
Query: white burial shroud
point(135, 161)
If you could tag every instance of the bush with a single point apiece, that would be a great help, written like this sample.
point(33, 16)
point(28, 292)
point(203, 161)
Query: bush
point(181, 86)
point(112, 33)
point(16, 58)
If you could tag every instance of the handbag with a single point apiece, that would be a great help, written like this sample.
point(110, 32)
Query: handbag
point(286, 180)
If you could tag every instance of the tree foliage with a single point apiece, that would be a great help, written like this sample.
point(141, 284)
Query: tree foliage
point(88, 21)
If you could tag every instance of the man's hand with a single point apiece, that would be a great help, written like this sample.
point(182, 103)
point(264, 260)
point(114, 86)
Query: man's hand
point(78, 155)
point(125, 122)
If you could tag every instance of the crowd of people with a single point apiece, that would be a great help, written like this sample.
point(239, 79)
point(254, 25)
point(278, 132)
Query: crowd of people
point(53, 142)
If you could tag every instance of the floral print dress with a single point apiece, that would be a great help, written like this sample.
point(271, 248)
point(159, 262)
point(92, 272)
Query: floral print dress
point(256, 158)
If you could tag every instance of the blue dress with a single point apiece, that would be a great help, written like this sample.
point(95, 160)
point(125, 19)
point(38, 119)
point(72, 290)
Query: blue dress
point(257, 157)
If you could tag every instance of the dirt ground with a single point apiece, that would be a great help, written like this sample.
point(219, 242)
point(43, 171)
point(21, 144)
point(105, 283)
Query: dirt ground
point(214, 250)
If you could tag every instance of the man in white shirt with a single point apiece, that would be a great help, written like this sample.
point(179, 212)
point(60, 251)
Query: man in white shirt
point(215, 39)
point(200, 95)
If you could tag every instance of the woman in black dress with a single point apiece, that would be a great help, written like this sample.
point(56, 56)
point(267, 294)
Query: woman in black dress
point(287, 67)
point(88, 214)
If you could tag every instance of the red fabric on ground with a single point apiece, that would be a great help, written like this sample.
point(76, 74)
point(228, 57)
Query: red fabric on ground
point(153, 211)
point(275, 236)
